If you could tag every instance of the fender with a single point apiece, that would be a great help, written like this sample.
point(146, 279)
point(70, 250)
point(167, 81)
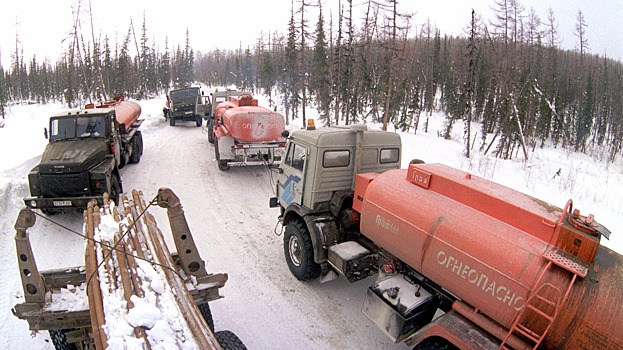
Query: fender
point(457, 330)
point(322, 228)
point(106, 169)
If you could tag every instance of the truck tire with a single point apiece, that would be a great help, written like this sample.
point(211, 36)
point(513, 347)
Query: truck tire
point(115, 189)
point(171, 121)
point(299, 252)
point(222, 164)
point(59, 340)
point(206, 313)
point(211, 131)
point(137, 147)
point(199, 121)
point(140, 142)
point(48, 212)
point(229, 341)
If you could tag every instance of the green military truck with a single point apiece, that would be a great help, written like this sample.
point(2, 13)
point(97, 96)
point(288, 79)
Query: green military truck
point(186, 104)
point(86, 149)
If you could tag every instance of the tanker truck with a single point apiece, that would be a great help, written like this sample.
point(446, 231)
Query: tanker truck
point(460, 262)
point(244, 133)
point(86, 149)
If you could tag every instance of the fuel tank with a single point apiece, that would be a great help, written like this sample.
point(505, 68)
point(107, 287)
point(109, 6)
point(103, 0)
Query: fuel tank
point(496, 248)
point(126, 112)
point(249, 123)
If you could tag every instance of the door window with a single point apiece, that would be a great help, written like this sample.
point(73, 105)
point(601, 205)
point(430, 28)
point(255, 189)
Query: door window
point(296, 157)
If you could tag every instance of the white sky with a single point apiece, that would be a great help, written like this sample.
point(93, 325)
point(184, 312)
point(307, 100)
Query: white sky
point(42, 25)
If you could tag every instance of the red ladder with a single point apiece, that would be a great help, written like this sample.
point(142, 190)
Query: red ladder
point(545, 301)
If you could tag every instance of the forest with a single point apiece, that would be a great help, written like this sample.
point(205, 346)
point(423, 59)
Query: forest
point(508, 75)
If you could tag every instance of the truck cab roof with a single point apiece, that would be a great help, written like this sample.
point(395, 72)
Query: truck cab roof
point(332, 156)
point(184, 92)
point(85, 112)
point(336, 136)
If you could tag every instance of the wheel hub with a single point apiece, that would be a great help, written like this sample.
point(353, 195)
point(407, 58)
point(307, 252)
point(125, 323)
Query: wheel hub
point(295, 251)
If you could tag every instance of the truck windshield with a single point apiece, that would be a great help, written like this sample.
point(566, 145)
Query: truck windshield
point(180, 94)
point(77, 126)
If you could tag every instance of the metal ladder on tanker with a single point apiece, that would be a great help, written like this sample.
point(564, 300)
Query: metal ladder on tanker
point(545, 300)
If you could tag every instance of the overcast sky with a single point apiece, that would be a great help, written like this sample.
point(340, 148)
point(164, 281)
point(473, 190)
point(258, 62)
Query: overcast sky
point(42, 25)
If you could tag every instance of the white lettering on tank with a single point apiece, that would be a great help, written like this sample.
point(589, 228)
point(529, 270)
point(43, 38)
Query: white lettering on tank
point(497, 291)
point(383, 223)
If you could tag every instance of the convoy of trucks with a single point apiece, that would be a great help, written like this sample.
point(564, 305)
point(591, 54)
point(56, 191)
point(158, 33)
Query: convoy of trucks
point(462, 262)
point(86, 149)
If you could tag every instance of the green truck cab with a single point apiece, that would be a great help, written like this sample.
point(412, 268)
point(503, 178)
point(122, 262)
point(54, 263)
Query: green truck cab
point(186, 104)
point(86, 149)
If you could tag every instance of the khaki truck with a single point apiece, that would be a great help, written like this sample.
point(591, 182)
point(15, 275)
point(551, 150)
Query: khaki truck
point(461, 262)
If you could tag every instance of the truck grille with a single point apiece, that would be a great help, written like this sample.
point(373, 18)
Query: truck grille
point(69, 185)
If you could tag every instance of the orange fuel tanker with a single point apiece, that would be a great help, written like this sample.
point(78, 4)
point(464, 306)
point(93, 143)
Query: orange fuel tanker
point(245, 133)
point(463, 262)
point(126, 112)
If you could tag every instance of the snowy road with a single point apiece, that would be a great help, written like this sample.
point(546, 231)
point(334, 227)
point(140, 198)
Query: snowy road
point(233, 227)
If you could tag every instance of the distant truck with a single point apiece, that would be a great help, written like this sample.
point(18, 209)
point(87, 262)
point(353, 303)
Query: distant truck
point(462, 262)
point(215, 98)
point(86, 149)
point(245, 133)
point(187, 104)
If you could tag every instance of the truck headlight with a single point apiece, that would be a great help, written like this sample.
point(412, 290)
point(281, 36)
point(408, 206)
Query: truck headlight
point(33, 204)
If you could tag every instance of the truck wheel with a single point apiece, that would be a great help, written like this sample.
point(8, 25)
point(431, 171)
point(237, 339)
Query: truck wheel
point(199, 121)
point(59, 340)
point(222, 164)
point(171, 121)
point(207, 314)
point(115, 189)
point(48, 212)
point(136, 142)
point(140, 142)
point(229, 341)
point(211, 131)
point(299, 252)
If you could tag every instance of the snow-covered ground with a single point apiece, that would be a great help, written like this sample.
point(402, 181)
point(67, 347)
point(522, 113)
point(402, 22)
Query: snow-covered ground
point(234, 228)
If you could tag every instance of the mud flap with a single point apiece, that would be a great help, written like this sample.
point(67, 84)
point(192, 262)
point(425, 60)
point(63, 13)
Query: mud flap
point(327, 274)
point(324, 233)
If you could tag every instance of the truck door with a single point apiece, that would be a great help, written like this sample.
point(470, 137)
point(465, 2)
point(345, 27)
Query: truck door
point(116, 141)
point(290, 188)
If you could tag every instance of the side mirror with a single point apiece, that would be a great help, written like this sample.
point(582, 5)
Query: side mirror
point(285, 133)
point(273, 202)
point(45, 133)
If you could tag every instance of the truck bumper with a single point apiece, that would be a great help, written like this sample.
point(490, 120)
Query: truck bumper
point(187, 116)
point(243, 154)
point(61, 203)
